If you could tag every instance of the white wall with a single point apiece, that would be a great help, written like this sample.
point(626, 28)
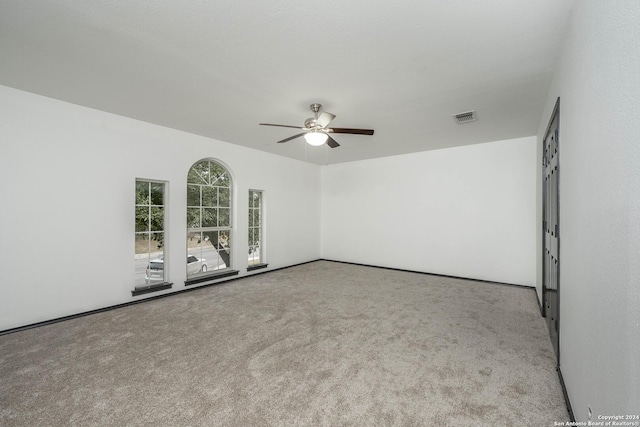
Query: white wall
point(67, 176)
point(598, 83)
point(467, 211)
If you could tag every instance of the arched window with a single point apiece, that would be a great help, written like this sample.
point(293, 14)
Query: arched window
point(208, 218)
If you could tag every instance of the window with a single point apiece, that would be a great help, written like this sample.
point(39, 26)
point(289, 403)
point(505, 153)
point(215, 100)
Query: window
point(256, 257)
point(149, 237)
point(208, 218)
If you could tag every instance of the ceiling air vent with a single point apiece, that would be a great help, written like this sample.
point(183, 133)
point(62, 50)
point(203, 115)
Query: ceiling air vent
point(469, 116)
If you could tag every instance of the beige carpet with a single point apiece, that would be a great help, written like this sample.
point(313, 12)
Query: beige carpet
point(324, 344)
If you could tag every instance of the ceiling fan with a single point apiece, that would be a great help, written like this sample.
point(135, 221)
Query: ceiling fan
point(316, 131)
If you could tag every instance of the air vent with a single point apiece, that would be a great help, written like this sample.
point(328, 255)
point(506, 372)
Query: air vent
point(467, 117)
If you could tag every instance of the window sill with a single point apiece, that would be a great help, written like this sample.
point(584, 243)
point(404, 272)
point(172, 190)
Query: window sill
point(257, 267)
point(151, 288)
point(209, 277)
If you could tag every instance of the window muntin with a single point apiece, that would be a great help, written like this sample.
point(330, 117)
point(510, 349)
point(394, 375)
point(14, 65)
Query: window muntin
point(149, 233)
point(255, 228)
point(208, 218)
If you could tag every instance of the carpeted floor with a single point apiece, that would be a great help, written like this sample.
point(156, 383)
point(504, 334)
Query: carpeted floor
point(318, 344)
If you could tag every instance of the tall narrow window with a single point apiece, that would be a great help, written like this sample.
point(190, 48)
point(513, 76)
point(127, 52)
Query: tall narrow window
point(256, 256)
point(149, 236)
point(208, 218)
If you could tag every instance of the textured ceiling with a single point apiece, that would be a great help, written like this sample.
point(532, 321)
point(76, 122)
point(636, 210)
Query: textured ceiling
point(218, 68)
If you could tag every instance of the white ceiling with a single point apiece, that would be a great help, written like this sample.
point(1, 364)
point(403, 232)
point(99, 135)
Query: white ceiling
point(218, 68)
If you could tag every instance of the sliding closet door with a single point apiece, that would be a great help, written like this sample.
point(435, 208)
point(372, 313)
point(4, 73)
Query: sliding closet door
point(551, 230)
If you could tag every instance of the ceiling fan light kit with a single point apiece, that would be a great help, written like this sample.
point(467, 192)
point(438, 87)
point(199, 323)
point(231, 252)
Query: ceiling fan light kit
point(316, 138)
point(315, 130)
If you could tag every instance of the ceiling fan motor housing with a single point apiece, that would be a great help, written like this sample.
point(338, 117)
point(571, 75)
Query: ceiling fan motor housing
point(310, 122)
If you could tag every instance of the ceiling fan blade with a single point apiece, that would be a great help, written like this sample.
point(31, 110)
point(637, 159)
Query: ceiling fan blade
point(353, 131)
point(324, 119)
point(332, 142)
point(292, 137)
point(282, 126)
